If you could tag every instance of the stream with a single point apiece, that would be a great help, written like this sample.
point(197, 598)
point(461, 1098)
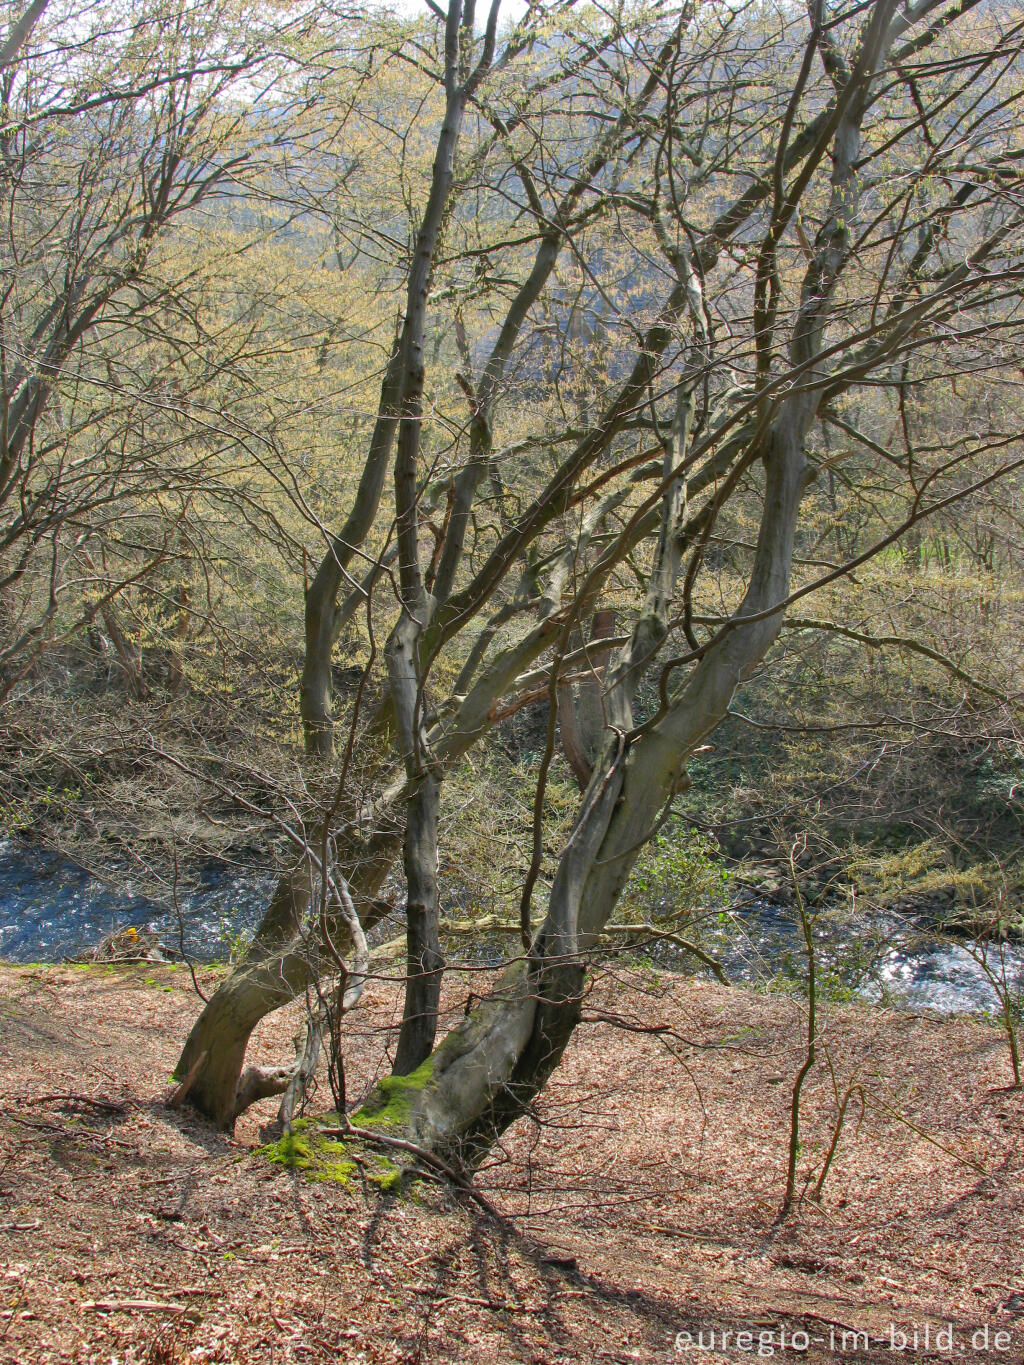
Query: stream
point(884, 956)
point(51, 909)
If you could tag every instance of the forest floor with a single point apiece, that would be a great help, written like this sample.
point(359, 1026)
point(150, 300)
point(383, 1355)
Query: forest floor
point(642, 1199)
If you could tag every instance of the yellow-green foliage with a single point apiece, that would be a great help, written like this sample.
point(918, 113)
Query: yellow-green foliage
point(906, 867)
point(986, 890)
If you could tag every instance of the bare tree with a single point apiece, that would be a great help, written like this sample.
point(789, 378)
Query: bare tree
point(784, 248)
point(114, 132)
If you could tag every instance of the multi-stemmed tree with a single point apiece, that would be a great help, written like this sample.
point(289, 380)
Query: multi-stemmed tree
point(713, 232)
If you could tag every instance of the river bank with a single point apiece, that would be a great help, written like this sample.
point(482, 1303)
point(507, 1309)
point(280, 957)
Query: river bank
point(644, 1196)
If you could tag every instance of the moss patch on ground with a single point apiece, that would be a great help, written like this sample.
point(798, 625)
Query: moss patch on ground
point(310, 1148)
point(305, 1148)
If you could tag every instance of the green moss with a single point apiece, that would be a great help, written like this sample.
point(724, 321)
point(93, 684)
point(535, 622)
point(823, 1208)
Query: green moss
point(292, 1150)
point(332, 1161)
point(304, 1149)
point(340, 1172)
point(391, 1104)
point(389, 1177)
point(388, 1181)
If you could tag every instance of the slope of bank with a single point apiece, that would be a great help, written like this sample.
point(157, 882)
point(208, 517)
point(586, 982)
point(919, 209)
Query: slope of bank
point(644, 1194)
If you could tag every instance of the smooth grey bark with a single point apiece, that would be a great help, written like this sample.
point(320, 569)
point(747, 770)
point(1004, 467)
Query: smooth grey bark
point(485, 1072)
point(568, 732)
point(399, 409)
point(590, 720)
point(284, 958)
point(20, 32)
point(400, 399)
point(323, 620)
point(423, 987)
point(282, 962)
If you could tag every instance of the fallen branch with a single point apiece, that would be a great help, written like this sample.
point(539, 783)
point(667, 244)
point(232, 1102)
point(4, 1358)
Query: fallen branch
point(428, 1158)
point(101, 1102)
point(647, 931)
point(132, 1306)
point(468, 1298)
point(41, 1126)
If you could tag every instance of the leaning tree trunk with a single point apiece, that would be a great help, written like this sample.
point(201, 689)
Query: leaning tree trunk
point(484, 1073)
point(282, 961)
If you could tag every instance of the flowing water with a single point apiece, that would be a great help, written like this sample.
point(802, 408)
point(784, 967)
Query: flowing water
point(50, 909)
point(884, 956)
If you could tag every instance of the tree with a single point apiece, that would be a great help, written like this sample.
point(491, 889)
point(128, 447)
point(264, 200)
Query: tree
point(116, 133)
point(780, 213)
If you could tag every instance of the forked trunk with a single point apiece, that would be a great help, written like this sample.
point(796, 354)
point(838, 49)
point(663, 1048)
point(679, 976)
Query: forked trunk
point(487, 1070)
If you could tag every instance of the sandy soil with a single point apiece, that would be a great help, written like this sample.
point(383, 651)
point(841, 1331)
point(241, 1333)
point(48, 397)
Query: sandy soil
point(644, 1195)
